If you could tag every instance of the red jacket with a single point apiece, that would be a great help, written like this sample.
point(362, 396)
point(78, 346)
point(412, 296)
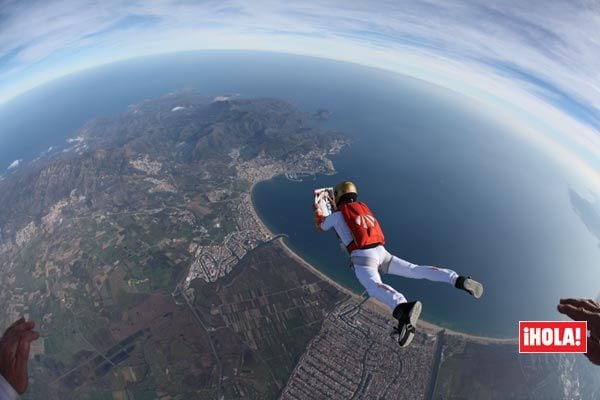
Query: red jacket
point(363, 225)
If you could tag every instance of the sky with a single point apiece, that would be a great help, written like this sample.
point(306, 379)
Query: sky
point(536, 64)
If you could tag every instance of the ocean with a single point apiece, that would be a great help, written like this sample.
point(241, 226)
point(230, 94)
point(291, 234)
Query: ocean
point(451, 183)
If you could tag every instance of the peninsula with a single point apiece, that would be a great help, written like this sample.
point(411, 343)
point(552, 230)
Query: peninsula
point(138, 250)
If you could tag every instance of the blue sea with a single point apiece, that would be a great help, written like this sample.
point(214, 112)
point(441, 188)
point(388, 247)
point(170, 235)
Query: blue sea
point(451, 183)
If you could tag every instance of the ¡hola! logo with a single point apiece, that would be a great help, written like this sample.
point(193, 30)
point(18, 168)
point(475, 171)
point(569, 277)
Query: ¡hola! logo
point(552, 337)
point(366, 221)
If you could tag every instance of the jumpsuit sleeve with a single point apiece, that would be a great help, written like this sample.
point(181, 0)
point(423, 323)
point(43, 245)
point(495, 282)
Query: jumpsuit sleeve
point(6, 390)
point(329, 222)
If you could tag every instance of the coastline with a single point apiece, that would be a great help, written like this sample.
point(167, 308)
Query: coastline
point(371, 302)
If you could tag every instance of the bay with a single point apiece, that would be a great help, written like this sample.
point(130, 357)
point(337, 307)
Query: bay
point(452, 184)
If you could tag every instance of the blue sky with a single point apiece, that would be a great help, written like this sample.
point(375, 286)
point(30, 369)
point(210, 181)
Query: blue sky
point(536, 64)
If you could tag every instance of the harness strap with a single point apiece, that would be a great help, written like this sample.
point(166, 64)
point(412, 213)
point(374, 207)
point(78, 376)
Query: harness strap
point(372, 262)
point(385, 265)
point(364, 261)
point(352, 246)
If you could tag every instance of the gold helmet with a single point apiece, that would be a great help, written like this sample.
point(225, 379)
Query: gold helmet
point(343, 188)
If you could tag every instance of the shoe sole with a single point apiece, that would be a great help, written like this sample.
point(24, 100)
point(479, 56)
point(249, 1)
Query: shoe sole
point(413, 317)
point(474, 287)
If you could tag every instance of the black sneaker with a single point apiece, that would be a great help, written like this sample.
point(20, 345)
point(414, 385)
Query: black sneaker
point(407, 315)
point(469, 285)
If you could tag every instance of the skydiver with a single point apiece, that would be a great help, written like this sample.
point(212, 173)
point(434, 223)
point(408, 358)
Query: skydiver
point(359, 230)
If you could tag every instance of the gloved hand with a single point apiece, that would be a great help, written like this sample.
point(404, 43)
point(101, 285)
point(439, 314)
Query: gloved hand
point(585, 310)
point(319, 218)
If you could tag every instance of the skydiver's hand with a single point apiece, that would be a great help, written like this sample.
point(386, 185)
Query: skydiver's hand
point(593, 353)
point(14, 353)
point(585, 310)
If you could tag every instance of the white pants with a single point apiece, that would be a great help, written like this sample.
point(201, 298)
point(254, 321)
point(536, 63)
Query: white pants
point(368, 263)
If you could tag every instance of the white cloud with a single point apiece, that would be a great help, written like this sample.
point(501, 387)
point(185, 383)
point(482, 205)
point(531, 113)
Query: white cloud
point(566, 54)
point(224, 98)
point(514, 56)
point(14, 165)
point(77, 139)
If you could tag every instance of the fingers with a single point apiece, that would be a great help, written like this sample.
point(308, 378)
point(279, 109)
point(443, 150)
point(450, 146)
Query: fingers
point(592, 318)
point(579, 313)
point(17, 322)
point(21, 359)
point(18, 326)
point(29, 336)
point(587, 304)
point(15, 347)
point(593, 353)
point(11, 328)
point(18, 331)
point(23, 350)
point(23, 327)
point(8, 351)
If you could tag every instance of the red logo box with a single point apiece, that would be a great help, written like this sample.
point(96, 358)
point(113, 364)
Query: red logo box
point(553, 337)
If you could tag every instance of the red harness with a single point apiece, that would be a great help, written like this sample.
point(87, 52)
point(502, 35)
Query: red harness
point(364, 227)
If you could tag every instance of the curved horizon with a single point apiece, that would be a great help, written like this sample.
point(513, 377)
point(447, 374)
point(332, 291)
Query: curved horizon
point(543, 82)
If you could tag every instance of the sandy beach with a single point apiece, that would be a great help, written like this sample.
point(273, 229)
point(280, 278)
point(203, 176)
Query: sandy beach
point(371, 302)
